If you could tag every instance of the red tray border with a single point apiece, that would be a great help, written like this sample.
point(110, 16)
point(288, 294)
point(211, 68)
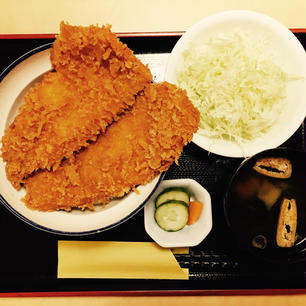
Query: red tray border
point(244, 292)
point(119, 34)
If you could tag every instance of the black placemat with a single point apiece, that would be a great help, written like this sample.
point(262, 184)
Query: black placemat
point(28, 256)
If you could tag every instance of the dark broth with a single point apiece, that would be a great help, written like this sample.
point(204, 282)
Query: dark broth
point(253, 204)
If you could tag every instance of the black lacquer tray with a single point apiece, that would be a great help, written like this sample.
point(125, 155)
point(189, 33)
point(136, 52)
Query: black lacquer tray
point(28, 256)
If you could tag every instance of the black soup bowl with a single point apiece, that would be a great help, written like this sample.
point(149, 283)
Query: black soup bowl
point(252, 206)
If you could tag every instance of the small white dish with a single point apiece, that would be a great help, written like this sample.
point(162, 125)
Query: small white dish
point(290, 55)
point(190, 235)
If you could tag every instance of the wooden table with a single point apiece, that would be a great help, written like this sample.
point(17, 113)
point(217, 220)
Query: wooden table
point(253, 300)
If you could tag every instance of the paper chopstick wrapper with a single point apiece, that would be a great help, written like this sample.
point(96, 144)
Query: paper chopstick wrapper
point(112, 259)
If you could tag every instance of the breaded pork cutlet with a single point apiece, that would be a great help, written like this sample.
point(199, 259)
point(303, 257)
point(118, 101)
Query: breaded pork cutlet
point(96, 79)
point(135, 149)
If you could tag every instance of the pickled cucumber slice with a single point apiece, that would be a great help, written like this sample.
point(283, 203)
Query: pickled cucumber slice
point(173, 193)
point(172, 215)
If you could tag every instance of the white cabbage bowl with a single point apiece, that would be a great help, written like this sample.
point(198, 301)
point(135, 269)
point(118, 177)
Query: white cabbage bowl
point(291, 57)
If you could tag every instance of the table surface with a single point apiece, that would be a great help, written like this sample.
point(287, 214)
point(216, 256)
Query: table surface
point(19, 17)
point(43, 17)
point(275, 300)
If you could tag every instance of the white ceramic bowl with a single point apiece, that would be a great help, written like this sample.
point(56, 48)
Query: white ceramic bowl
point(190, 235)
point(18, 78)
point(290, 55)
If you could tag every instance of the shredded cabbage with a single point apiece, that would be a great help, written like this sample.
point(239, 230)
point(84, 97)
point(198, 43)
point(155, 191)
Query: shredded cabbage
point(234, 82)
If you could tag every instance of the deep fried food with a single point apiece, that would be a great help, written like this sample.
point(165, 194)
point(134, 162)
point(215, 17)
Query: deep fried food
point(142, 144)
point(96, 80)
point(277, 167)
point(287, 223)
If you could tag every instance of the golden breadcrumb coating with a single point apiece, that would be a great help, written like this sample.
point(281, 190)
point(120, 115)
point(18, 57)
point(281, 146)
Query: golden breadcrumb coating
point(142, 144)
point(96, 80)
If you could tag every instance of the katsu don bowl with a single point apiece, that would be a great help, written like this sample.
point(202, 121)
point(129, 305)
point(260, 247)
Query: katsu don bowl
point(86, 139)
point(76, 222)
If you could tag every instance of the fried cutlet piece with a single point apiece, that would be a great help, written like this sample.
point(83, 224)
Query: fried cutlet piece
point(97, 78)
point(91, 56)
point(135, 149)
